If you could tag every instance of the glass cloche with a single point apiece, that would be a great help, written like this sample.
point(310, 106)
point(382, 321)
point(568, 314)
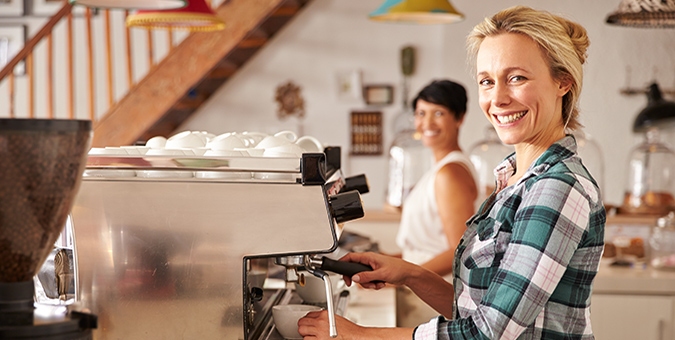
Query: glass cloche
point(591, 155)
point(409, 159)
point(485, 155)
point(651, 178)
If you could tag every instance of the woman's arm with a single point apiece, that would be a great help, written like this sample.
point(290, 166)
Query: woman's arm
point(455, 192)
point(429, 286)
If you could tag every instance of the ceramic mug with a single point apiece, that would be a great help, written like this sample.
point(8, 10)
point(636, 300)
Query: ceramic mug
point(309, 144)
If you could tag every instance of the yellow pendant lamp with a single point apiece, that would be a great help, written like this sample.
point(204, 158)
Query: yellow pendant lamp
point(131, 4)
point(417, 11)
point(197, 16)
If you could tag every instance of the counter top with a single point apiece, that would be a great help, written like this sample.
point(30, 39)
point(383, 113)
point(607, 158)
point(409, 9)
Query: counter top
point(372, 308)
point(623, 280)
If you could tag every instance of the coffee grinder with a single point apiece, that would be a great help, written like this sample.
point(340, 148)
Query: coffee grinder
point(41, 165)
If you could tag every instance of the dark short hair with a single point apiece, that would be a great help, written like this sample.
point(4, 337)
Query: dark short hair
point(446, 93)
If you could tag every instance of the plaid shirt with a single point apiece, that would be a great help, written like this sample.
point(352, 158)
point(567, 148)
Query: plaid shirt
point(525, 266)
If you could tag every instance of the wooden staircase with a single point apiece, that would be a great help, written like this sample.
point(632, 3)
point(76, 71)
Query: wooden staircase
point(191, 72)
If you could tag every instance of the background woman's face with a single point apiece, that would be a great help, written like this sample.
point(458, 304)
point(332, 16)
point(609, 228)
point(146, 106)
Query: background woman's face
point(516, 91)
point(436, 124)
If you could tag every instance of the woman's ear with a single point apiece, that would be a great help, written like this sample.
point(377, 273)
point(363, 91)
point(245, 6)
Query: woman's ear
point(564, 86)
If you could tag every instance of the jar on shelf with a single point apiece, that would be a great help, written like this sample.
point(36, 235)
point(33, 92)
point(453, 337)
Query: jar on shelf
point(485, 155)
point(651, 178)
point(662, 243)
point(409, 159)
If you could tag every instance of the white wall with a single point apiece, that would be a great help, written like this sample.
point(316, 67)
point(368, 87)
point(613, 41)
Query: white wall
point(334, 35)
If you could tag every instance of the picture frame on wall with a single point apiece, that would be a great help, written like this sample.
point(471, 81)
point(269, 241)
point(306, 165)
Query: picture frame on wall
point(50, 7)
point(378, 94)
point(12, 39)
point(11, 8)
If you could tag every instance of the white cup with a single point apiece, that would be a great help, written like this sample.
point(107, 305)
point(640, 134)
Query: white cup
point(157, 142)
point(309, 144)
point(226, 142)
point(185, 139)
point(286, 319)
point(254, 136)
point(272, 141)
point(289, 135)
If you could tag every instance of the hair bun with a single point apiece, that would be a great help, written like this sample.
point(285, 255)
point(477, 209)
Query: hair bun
point(579, 38)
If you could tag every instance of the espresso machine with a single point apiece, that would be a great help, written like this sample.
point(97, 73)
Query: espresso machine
point(41, 165)
point(169, 254)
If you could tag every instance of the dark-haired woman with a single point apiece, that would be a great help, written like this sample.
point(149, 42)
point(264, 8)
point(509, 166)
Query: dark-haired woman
point(435, 212)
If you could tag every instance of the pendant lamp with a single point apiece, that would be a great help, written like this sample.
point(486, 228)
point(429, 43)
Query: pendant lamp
point(644, 13)
point(131, 4)
point(658, 113)
point(197, 16)
point(417, 11)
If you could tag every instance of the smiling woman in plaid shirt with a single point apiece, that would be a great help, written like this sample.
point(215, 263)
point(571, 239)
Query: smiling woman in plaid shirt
point(525, 266)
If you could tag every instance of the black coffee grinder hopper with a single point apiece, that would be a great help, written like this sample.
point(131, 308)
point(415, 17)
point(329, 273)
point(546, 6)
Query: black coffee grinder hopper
point(41, 165)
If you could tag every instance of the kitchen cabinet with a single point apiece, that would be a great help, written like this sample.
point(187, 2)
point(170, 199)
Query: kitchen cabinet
point(629, 317)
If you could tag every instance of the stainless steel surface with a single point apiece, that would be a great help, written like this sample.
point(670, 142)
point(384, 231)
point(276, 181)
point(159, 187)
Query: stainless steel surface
point(182, 259)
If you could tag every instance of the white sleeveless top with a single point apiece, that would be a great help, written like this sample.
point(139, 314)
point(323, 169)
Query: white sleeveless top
point(421, 235)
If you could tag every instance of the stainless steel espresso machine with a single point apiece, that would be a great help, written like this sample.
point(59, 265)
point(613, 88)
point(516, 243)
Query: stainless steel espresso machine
point(173, 247)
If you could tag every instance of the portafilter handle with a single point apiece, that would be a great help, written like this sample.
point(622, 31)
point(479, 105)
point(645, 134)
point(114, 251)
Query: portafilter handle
point(340, 267)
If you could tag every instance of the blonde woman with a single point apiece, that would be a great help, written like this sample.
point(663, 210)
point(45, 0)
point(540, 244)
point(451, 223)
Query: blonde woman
point(525, 266)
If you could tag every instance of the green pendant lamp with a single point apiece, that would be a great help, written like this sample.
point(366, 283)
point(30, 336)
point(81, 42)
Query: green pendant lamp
point(131, 4)
point(417, 11)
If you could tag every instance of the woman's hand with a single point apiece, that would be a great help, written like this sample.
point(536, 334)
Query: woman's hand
point(314, 326)
point(386, 269)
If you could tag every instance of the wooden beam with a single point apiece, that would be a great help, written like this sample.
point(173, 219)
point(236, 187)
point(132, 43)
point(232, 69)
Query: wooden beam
point(183, 67)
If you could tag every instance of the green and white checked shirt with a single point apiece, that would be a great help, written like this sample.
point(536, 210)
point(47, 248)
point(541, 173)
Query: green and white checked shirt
point(525, 266)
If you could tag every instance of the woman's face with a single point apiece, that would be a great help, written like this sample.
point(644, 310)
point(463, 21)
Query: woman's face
point(516, 91)
point(436, 124)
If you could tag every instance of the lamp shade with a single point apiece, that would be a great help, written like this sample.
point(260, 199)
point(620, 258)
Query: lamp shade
point(417, 11)
point(644, 13)
point(131, 4)
point(658, 113)
point(196, 16)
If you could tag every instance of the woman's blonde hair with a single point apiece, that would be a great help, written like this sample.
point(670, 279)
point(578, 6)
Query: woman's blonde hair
point(563, 42)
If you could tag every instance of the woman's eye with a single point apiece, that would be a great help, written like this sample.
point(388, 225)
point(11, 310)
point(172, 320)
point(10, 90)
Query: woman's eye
point(438, 113)
point(419, 113)
point(485, 82)
point(515, 79)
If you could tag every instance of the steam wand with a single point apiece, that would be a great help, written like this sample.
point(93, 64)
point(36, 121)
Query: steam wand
point(329, 297)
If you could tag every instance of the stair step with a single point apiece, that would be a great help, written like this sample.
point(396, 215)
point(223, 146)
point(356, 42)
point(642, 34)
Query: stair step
point(255, 39)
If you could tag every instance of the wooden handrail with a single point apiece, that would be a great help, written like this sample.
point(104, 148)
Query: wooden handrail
point(81, 82)
point(30, 45)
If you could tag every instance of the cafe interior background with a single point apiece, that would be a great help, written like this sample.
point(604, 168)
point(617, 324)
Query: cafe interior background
point(332, 44)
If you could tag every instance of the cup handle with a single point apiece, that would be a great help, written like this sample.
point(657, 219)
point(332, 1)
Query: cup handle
point(289, 135)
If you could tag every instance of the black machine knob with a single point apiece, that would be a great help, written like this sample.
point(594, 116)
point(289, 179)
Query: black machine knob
point(346, 206)
point(256, 294)
point(358, 183)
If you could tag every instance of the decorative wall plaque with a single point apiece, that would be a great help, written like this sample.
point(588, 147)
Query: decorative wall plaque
point(289, 100)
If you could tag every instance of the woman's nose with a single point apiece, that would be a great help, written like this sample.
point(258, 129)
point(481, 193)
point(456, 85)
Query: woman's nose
point(500, 95)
